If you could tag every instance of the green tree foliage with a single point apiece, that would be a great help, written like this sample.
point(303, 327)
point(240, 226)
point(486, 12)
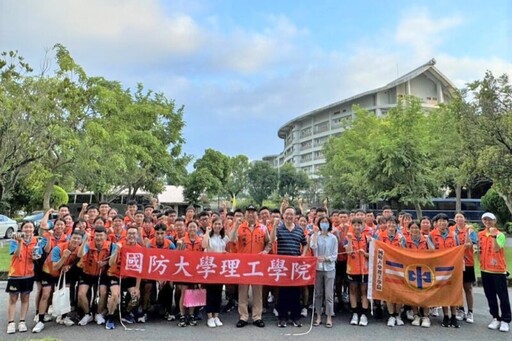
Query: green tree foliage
point(489, 127)
point(493, 202)
point(90, 129)
point(262, 181)
point(291, 182)
point(383, 158)
point(216, 174)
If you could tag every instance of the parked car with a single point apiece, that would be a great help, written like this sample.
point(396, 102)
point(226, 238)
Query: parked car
point(7, 226)
point(36, 218)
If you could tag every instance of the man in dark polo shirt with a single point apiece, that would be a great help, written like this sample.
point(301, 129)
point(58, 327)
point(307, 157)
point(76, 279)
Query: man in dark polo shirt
point(291, 241)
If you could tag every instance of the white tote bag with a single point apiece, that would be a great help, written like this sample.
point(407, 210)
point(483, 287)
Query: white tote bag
point(61, 303)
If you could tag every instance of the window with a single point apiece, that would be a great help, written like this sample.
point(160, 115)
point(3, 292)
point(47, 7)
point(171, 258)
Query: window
point(320, 141)
point(305, 132)
point(306, 157)
point(336, 122)
point(305, 145)
point(319, 155)
point(321, 127)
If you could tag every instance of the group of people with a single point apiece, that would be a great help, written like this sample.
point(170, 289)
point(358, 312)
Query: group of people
point(86, 250)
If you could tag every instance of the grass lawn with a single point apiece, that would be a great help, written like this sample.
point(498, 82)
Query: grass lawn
point(5, 258)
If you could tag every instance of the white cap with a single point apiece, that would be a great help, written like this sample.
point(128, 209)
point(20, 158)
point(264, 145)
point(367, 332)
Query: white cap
point(489, 215)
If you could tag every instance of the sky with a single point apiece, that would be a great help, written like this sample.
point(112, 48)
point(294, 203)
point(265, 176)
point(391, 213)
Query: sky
point(242, 69)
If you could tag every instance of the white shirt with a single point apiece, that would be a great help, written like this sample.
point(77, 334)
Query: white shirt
point(217, 244)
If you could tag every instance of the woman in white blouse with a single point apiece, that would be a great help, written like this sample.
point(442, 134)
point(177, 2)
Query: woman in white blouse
point(214, 240)
point(325, 248)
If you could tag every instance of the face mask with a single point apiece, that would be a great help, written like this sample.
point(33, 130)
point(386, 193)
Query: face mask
point(324, 226)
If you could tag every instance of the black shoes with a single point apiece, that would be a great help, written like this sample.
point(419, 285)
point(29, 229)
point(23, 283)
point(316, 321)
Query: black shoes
point(259, 323)
point(242, 323)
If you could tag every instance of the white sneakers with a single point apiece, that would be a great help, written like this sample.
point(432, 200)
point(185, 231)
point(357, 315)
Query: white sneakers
point(363, 321)
point(469, 317)
point(494, 325)
point(304, 312)
point(416, 321)
point(434, 311)
point(217, 321)
point(38, 327)
point(425, 322)
point(409, 314)
point(86, 319)
point(11, 328)
point(355, 319)
point(99, 318)
point(504, 326)
point(399, 321)
point(211, 323)
point(67, 321)
point(391, 321)
point(459, 315)
point(22, 327)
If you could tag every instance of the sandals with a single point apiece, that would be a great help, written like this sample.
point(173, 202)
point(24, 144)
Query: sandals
point(328, 325)
point(317, 323)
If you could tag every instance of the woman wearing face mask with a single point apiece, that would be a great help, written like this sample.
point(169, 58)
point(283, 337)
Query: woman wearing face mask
point(325, 248)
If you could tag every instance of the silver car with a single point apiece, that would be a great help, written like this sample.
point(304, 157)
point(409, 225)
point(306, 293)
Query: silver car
point(7, 227)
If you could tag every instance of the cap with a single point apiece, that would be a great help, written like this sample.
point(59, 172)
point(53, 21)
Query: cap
point(489, 215)
point(251, 208)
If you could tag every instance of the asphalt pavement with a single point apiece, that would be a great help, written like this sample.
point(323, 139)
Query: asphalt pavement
point(342, 330)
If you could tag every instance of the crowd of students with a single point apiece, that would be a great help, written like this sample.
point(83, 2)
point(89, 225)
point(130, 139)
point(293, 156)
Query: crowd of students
point(87, 250)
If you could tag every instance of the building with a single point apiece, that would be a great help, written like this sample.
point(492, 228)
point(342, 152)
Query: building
point(305, 135)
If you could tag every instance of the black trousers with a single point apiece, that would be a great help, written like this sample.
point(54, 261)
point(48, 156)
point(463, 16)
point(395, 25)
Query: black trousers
point(213, 298)
point(165, 296)
point(289, 301)
point(495, 286)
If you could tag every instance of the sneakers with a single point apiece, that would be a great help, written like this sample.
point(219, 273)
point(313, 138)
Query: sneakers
point(38, 327)
point(494, 325)
point(344, 297)
point(469, 317)
point(391, 321)
point(110, 324)
point(22, 327)
point(459, 314)
point(11, 328)
point(363, 321)
point(454, 323)
point(85, 320)
point(355, 319)
point(47, 318)
point(504, 327)
point(170, 317)
point(192, 321)
point(143, 318)
point(425, 322)
point(36, 317)
point(304, 312)
point(416, 321)
point(99, 318)
point(297, 323)
point(281, 324)
point(399, 321)
point(218, 322)
point(130, 319)
point(211, 323)
point(183, 321)
point(446, 322)
point(67, 321)
point(409, 315)
point(434, 311)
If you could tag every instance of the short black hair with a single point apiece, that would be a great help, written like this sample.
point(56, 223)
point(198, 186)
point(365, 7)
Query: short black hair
point(440, 216)
point(160, 227)
point(131, 203)
point(179, 219)
point(203, 214)
point(263, 208)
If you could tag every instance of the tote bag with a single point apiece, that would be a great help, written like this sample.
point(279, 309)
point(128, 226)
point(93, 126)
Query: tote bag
point(61, 303)
point(194, 298)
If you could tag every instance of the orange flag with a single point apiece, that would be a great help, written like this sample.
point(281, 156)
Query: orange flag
point(429, 278)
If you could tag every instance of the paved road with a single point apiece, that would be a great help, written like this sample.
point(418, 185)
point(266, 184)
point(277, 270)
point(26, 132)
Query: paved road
point(164, 330)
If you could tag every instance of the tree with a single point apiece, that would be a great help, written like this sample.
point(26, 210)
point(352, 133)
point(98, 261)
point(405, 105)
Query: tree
point(291, 181)
point(217, 174)
point(489, 126)
point(262, 181)
point(383, 158)
point(493, 202)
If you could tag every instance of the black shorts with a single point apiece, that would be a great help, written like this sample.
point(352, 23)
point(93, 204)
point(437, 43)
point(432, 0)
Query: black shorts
point(93, 280)
point(127, 282)
point(20, 285)
point(38, 271)
point(468, 275)
point(359, 279)
point(341, 270)
point(48, 280)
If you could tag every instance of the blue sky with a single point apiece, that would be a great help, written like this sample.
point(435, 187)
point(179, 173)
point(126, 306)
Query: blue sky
point(244, 68)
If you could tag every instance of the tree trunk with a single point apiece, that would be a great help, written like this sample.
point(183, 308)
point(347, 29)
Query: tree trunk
point(508, 201)
point(419, 212)
point(458, 195)
point(48, 193)
point(469, 192)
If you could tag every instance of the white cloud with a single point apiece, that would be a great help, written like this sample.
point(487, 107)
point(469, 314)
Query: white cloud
point(423, 33)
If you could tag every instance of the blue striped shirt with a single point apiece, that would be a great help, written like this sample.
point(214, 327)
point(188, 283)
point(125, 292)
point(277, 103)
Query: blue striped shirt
point(289, 242)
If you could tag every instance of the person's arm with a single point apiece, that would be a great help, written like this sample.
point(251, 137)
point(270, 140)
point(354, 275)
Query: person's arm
point(57, 259)
point(15, 245)
point(46, 242)
point(113, 258)
point(273, 234)
point(305, 246)
point(332, 253)
point(268, 244)
point(44, 222)
point(234, 231)
point(83, 210)
point(84, 247)
point(206, 238)
point(313, 241)
point(348, 243)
